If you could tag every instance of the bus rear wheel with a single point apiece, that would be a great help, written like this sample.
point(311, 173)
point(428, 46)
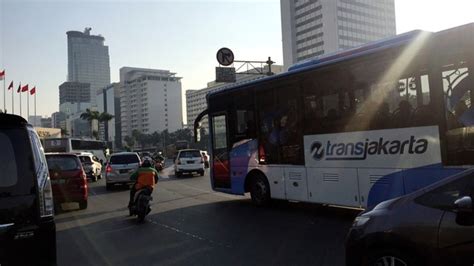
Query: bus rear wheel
point(260, 191)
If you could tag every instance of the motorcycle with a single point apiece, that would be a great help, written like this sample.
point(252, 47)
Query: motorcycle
point(141, 204)
point(159, 165)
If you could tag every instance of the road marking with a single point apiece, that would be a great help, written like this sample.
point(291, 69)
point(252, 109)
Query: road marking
point(118, 229)
point(179, 231)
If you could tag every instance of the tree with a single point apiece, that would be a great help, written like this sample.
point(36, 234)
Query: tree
point(90, 116)
point(129, 141)
point(140, 137)
point(105, 118)
point(64, 132)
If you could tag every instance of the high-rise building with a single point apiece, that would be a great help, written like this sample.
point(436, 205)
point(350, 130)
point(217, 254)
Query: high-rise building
point(196, 99)
point(74, 92)
point(108, 101)
point(88, 60)
point(35, 120)
point(150, 100)
point(58, 120)
point(46, 122)
point(315, 27)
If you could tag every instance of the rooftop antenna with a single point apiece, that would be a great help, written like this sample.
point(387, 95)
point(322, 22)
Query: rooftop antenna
point(87, 31)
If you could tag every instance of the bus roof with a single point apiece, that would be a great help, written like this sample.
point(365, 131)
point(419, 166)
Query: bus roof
point(332, 58)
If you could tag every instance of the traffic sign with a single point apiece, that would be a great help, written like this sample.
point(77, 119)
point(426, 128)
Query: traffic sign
point(225, 56)
point(225, 74)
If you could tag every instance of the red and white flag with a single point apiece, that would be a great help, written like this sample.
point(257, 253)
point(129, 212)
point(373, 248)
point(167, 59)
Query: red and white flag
point(2, 75)
point(10, 86)
point(33, 90)
point(24, 88)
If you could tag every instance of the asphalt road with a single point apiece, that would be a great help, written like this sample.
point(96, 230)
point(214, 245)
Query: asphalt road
point(192, 225)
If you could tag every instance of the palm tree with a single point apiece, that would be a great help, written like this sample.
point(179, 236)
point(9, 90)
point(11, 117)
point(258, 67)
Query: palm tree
point(105, 118)
point(90, 116)
point(64, 132)
point(130, 141)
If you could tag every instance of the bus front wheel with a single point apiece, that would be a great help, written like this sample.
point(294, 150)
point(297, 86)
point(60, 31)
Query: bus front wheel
point(260, 191)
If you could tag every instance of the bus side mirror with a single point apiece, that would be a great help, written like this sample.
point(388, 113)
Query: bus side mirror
point(198, 135)
point(464, 205)
point(464, 211)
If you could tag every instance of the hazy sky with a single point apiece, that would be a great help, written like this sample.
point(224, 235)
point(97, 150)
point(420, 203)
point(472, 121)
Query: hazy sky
point(182, 36)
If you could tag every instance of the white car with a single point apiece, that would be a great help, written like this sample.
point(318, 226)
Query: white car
point(189, 161)
point(91, 165)
point(120, 167)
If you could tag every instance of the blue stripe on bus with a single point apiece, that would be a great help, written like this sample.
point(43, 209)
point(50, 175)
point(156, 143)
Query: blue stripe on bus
point(239, 165)
point(406, 181)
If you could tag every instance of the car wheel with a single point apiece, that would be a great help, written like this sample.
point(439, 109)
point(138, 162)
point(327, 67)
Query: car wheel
point(83, 205)
point(260, 191)
point(201, 173)
point(178, 174)
point(108, 186)
point(389, 257)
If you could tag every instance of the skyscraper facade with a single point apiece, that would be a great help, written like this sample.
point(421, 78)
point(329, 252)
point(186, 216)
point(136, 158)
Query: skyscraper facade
point(88, 60)
point(150, 100)
point(74, 92)
point(312, 28)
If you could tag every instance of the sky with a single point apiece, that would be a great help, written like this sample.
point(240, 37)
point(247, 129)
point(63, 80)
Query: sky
point(182, 36)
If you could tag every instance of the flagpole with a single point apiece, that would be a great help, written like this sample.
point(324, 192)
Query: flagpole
point(4, 95)
point(28, 107)
point(35, 102)
point(13, 104)
point(19, 93)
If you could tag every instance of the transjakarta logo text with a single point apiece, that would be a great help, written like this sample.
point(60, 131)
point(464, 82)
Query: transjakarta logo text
point(360, 150)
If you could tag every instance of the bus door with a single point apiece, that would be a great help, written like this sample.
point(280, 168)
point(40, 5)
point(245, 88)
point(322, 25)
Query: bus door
point(220, 152)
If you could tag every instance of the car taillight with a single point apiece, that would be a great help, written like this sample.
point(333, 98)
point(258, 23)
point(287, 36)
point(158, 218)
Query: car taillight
point(108, 169)
point(261, 155)
point(46, 198)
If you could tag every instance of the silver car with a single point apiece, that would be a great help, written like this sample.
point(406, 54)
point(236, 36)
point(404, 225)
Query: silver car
point(120, 167)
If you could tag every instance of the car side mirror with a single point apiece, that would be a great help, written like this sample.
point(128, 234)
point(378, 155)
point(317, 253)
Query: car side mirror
point(464, 205)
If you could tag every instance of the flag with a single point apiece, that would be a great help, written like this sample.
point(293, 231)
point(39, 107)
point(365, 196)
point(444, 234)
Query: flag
point(33, 90)
point(10, 86)
point(19, 88)
point(2, 75)
point(24, 88)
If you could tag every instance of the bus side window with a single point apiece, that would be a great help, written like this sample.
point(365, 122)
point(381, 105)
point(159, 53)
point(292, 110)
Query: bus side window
point(245, 124)
point(458, 96)
point(288, 129)
point(267, 121)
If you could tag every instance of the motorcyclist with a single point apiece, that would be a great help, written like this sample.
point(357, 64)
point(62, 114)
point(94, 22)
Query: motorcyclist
point(145, 176)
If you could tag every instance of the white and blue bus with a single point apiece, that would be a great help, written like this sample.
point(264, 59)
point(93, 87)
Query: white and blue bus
point(350, 129)
point(76, 145)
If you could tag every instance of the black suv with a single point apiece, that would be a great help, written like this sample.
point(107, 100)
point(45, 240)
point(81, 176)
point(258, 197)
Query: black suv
point(432, 226)
point(27, 228)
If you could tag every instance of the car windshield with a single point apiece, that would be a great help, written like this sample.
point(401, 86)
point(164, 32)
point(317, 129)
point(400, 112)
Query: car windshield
point(85, 159)
point(124, 159)
point(189, 154)
point(237, 132)
point(62, 163)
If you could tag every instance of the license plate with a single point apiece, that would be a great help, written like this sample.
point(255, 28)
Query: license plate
point(123, 171)
point(69, 206)
point(190, 162)
point(58, 181)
